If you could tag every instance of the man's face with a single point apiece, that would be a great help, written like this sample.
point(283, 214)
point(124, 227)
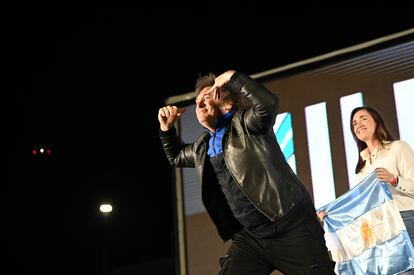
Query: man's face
point(206, 107)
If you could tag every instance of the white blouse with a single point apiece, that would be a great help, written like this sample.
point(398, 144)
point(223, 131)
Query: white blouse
point(398, 158)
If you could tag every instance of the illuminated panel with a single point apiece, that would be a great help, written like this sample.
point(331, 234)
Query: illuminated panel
point(320, 154)
point(404, 102)
point(284, 135)
point(348, 103)
point(190, 130)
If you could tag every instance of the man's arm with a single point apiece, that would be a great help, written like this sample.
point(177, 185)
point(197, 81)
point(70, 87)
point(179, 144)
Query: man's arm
point(177, 152)
point(168, 115)
point(265, 105)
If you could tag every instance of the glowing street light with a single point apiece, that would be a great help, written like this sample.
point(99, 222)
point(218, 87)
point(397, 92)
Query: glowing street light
point(105, 208)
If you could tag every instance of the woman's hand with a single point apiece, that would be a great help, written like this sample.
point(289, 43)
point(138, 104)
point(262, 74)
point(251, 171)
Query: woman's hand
point(321, 215)
point(385, 175)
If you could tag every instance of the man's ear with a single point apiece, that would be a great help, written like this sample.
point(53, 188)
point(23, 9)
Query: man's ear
point(228, 106)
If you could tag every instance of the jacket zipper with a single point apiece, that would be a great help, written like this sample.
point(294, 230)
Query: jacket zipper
point(239, 185)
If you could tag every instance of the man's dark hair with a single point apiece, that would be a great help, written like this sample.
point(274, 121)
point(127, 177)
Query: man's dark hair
point(226, 95)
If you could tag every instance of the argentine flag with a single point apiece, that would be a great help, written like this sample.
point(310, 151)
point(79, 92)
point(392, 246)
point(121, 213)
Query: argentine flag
point(365, 233)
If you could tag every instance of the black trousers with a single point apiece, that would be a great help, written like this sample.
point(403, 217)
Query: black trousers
point(293, 246)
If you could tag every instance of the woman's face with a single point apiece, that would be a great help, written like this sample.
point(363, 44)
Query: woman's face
point(363, 125)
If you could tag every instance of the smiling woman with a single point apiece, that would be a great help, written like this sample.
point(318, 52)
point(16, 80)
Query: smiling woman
point(364, 125)
point(370, 133)
point(392, 161)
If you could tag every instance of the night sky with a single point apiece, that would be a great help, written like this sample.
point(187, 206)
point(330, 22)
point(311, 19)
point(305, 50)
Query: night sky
point(88, 84)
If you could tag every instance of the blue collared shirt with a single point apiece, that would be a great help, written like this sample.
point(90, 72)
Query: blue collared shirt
point(216, 138)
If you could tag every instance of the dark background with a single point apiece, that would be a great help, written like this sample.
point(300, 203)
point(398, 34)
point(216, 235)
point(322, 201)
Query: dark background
point(88, 84)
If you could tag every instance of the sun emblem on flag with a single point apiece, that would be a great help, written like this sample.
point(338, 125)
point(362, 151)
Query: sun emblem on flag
point(367, 234)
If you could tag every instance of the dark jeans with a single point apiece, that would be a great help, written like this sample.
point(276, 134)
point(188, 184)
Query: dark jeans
point(408, 218)
point(295, 245)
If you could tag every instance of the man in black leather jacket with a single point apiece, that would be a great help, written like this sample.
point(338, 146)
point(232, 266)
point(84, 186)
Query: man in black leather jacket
point(248, 188)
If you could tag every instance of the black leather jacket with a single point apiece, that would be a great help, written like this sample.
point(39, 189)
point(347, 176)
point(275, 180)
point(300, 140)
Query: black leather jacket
point(251, 154)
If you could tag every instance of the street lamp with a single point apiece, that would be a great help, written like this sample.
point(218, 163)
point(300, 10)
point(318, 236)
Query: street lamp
point(106, 210)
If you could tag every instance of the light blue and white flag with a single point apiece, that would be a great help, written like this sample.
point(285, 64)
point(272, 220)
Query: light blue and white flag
point(365, 233)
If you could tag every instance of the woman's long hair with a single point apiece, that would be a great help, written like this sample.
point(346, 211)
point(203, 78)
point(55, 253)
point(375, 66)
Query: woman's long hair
point(381, 133)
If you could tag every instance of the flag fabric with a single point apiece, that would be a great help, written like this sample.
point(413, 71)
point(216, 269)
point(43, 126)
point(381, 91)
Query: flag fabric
point(365, 233)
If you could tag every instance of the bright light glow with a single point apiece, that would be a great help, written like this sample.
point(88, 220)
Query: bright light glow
point(404, 103)
point(105, 208)
point(348, 103)
point(42, 150)
point(320, 154)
